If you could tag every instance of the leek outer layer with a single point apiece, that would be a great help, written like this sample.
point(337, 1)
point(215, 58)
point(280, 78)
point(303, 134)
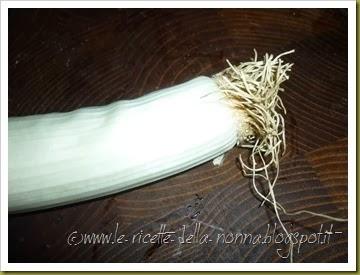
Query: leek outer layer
point(62, 158)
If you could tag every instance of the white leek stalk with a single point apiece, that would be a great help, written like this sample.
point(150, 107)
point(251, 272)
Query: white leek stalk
point(62, 158)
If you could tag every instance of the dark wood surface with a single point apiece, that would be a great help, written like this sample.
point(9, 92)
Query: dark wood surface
point(60, 60)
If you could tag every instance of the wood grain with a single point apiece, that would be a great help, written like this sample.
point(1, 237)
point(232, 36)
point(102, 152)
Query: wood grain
point(64, 59)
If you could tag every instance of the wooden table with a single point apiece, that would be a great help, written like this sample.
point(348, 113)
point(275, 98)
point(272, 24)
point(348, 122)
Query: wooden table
point(60, 60)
